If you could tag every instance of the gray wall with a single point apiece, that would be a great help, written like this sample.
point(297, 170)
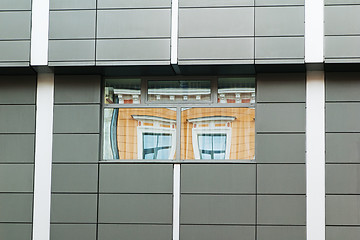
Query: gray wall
point(17, 137)
point(342, 156)
point(15, 21)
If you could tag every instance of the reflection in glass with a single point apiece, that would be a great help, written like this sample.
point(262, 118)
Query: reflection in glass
point(179, 90)
point(236, 90)
point(218, 133)
point(122, 91)
point(139, 133)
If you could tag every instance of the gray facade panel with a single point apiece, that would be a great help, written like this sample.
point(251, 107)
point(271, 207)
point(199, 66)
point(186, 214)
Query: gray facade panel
point(71, 50)
point(15, 25)
point(72, 24)
point(279, 48)
point(17, 119)
point(24, 86)
point(216, 232)
point(134, 4)
point(217, 209)
point(16, 178)
point(280, 148)
point(281, 179)
point(342, 210)
point(343, 233)
point(16, 208)
point(221, 48)
point(216, 22)
point(341, 2)
point(281, 210)
point(280, 117)
point(342, 47)
point(337, 24)
point(17, 148)
point(15, 51)
point(77, 89)
point(342, 117)
point(73, 208)
point(15, 5)
point(342, 148)
point(270, 21)
point(342, 86)
point(71, 4)
point(132, 232)
point(139, 23)
point(283, 87)
point(279, 2)
point(139, 178)
point(74, 178)
point(76, 119)
point(281, 233)
point(342, 179)
point(218, 178)
point(11, 231)
point(135, 208)
point(76, 148)
point(73, 231)
point(215, 3)
point(133, 49)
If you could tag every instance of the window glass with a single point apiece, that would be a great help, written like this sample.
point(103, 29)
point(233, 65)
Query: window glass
point(179, 91)
point(236, 90)
point(122, 91)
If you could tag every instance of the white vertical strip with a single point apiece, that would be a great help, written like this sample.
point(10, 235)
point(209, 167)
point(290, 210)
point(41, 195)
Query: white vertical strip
point(174, 31)
point(314, 31)
point(43, 156)
point(315, 155)
point(176, 203)
point(39, 32)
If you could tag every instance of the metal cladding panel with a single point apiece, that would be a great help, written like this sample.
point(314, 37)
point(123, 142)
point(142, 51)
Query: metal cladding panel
point(16, 208)
point(344, 233)
point(15, 25)
point(131, 232)
point(342, 148)
point(281, 232)
point(15, 51)
point(73, 208)
point(343, 179)
point(280, 48)
point(215, 3)
point(342, 47)
point(342, 86)
point(24, 86)
point(215, 232)
point(134, 4)
point(138, 23)
point(71, 50)
point(16, 177)
point(17, 119)
point(74, 178)
point(15, 5)
point(15, 231)
point(17, 148)
point(218, 178)
point(71, 4)
point(337, 24)
point(279, 2)
point(343, 210)
point(73, 231)
point(342, 117)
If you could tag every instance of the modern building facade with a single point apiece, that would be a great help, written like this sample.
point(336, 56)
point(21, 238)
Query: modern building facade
point(182, 119)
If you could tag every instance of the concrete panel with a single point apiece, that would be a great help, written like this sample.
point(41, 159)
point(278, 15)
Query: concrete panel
point(343, 179)
point(218, 178)
point(133, 49)
point(15, 51)
point(280, 148)
point(342, 46)
point(342, 117)
point(283, 87)
point(15, 25)
point(24, 86)
point(279, 47)
point(76, 119)
point(343, 233)
point(342, 86)
point(270, 21)
point(221, 48)
point(216, 22)
point(133, 23)
point(134, 4)
point(15, 5)
point(131, 232)
point(281, 210)
point(135, 208)
point(73, 208)
point(342, 210)
point(279, 2)
point(337, 24)
point(74, 178)
point(73, 231)
point(215, 3)
point(217, 209)
point(11, 231)
point(71, 4)
point(17, 119)
point(281, 179)
point(16, 178)
point(77, 89)
point(72, 50)
point(192, 232)
point(139, 178)
point(342, 148)
point(16, 208)
point(75, 148)
point(281, 233)
point(16, 148)
point(280, 117)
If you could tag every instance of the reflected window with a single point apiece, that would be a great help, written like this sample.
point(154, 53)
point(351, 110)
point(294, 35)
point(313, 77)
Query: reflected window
point(236, 90)
point(122, 91)
point(156, 145)
point(212, 146)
